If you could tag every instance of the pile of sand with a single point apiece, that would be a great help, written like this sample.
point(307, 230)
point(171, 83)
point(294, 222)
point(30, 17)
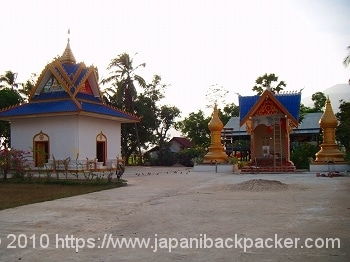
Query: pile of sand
point(257, 185)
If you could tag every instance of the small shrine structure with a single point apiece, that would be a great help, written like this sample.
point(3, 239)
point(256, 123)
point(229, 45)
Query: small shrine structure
point(216, 152)
point(269, 118)
point(65, 117)
point(329, 158)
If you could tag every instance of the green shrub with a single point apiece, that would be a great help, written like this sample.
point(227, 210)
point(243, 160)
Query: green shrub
point(186, 157)
point(301, 155)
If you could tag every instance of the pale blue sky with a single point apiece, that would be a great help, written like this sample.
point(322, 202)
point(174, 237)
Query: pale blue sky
point(192, 44)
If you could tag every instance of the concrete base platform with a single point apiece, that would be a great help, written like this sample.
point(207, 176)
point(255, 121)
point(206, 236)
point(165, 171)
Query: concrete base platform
point(329, 167)
point(219, 168)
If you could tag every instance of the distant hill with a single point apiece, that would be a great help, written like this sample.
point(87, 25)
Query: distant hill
point(335, 93)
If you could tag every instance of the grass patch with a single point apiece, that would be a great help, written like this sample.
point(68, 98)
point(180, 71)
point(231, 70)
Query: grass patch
point(15, 193)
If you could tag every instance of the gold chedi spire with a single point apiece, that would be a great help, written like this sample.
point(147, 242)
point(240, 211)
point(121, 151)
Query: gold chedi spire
point(328, 118)
point(216, 150)
point(329, 149)
point(67, 57)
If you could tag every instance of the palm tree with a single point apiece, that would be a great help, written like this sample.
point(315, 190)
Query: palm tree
point(123, 77)
point(9, 78)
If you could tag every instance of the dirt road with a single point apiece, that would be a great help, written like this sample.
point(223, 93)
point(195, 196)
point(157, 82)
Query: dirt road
point(188, 216)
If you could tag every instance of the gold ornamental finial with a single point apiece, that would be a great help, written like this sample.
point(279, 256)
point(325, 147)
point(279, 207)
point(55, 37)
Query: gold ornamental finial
point(67, 56)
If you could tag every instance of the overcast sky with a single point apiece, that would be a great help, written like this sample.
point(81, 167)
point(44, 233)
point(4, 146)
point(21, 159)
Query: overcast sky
point(192, 44)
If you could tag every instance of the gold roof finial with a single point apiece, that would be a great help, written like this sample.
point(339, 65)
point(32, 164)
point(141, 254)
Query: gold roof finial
point(67, 57)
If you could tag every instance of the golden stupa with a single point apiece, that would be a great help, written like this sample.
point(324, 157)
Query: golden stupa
point(329, 152)
point(67, 57)
point(216, 152)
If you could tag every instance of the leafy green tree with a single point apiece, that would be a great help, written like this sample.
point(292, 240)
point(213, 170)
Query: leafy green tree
point(302, 154)
point(266, 82)
point(8, 80)
point(27, 87)
point(319, 99)
point(229, 111)
point(155, 120)
point(165, 119)
point(13, 160)
point(8, 97)
point(342, 131)
point(195, 128)
point(186, 157)
point(123, 77)
point(302, 111)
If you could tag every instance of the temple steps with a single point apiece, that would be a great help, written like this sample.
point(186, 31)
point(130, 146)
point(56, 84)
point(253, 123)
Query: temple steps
point(268, 169)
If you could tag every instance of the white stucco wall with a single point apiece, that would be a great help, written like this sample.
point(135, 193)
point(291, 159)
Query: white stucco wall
point(61, 131)
point(68, 135)
point(89, 128)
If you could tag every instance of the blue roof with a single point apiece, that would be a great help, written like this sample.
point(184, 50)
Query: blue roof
point(41, 108)
point(245, 104)
point(104, 110)
point(50, 107)
point(291, 102)
point(70, 68)
point(88, 97)
point(50, 95)
point(63, 101)
point(80, 77)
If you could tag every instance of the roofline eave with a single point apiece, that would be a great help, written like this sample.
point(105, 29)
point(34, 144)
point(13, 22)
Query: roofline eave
point(116, 118)
point(80, 113)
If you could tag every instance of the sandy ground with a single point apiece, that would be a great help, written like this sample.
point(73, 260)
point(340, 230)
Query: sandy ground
point(176, 207)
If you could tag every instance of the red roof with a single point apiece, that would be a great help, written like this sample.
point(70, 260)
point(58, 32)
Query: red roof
point(182, 141)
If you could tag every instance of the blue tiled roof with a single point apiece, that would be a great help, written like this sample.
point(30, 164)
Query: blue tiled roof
point(70, 68)
point(50, 107)
point(104, 110)
point(47, 103)
point(290, 101)
point(245, 104)
point(87, 97)
point(80, 77)
point(41, 108)
point(50, 95)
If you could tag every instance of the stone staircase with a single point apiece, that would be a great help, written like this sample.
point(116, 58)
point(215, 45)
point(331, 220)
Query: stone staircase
point(266, 165)
point(268, 169)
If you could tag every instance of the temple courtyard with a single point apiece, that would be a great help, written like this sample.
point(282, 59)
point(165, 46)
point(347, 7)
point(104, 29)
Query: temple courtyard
point(184, 215)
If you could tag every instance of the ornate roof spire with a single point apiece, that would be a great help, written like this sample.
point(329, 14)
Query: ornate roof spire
point(67, 57)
